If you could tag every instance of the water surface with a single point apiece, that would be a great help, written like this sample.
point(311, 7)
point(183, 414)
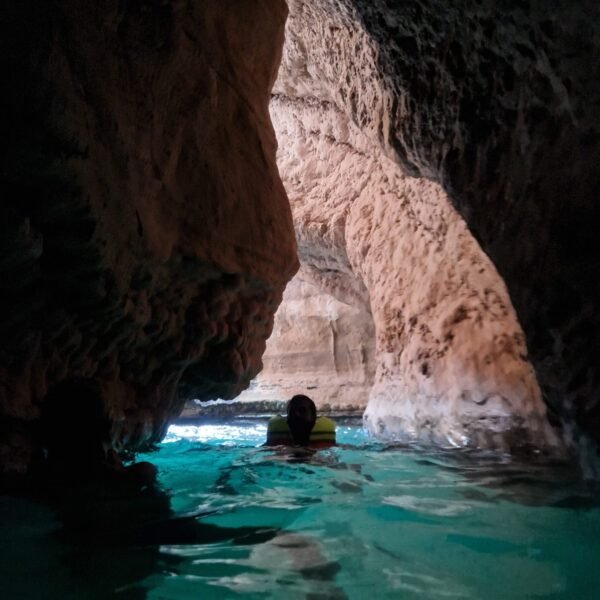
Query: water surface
point(364, 520)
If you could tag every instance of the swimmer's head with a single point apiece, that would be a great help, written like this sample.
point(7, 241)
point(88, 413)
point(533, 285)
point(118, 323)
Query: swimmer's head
point(301, 418)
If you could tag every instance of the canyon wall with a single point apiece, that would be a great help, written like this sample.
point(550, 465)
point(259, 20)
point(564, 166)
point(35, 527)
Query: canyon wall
point(146, 235)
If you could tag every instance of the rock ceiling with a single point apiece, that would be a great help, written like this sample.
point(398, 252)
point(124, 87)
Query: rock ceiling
point(147, 238)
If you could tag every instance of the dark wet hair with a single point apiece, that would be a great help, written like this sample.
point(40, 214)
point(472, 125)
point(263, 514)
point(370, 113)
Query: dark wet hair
point(302, 399)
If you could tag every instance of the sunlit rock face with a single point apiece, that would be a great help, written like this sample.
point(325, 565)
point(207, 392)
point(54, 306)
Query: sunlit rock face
point(500, 103)
point(491, 105)
point(321, 346)
point(146, 235)
point(450, 356)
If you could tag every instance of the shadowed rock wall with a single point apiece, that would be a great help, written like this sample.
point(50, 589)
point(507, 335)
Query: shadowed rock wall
point(146, 235)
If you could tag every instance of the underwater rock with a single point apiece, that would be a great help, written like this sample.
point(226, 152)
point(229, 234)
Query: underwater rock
point(146, 235)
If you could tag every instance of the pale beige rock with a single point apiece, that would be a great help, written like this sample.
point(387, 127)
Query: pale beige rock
point(321, 347)
point(450, 355)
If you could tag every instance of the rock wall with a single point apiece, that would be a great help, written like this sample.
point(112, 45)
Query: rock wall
point(320, 346)
point(146, 235)
point(146, 238)
point(450, 357)
point(499, 105)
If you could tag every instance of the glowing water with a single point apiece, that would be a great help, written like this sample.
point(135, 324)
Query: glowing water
point(363, 520)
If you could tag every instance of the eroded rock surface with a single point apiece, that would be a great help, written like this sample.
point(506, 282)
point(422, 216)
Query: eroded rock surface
point(146, 236)
point(450, 356)
point(321, 346)
point(499, 105)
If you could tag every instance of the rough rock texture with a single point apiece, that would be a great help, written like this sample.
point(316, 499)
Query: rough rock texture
point(146, 236)
point(450, 355)
point(499, 103)
point(320, 346)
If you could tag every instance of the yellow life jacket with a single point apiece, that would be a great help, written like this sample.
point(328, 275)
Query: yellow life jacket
point(278, 432)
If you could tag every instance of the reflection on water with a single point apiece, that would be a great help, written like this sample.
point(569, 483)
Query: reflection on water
point(364, 520)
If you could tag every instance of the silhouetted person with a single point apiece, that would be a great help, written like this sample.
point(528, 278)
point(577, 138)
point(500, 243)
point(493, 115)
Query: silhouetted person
point(301, 427)
point(76, 437)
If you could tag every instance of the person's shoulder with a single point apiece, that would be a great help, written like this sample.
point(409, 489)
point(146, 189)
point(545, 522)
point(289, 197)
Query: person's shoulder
point(278, 431)
point(277, 422)
point(324, 423)
point(323, 433)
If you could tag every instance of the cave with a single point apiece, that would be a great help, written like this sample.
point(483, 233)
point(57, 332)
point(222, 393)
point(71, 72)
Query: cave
point(391, 206)
point(440, 168)
point(414, 204)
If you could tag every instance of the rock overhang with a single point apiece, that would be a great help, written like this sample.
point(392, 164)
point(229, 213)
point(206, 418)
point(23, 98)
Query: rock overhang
point(496, 105)
point(147, 236)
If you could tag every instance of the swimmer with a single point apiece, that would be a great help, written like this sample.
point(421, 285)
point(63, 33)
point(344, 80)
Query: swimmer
point(301, 427)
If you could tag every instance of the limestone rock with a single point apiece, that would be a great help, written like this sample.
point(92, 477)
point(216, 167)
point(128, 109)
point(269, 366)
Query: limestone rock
point(451, 357)
point(146, 235)
point(500, 104)
point(320, 346)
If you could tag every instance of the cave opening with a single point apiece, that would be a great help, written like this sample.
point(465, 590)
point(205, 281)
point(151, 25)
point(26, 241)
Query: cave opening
point(432, 350)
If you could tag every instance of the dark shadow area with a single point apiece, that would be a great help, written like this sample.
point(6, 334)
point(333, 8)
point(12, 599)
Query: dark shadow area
point(108, 520)
point(107, 538)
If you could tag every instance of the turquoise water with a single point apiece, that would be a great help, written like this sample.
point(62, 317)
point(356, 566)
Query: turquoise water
point(364, 520)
